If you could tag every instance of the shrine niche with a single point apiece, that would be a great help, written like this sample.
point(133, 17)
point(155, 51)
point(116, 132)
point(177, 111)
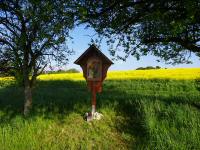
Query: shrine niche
point(94, 69)
point(95, 66)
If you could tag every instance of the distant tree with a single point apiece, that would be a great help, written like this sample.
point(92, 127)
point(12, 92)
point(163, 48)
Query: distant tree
point(148, 68)
point(158, 67)
point(169, 29)
point(73, 70)
point(59, 71)
point(33, 33)
point(140, 68)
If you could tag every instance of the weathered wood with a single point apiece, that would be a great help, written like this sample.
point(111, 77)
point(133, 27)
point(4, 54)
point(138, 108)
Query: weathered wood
point(93, 98)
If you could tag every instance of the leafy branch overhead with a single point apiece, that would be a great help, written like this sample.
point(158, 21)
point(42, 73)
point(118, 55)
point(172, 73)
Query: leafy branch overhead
point(167, 28)
point(32, 34)
point(34, 29)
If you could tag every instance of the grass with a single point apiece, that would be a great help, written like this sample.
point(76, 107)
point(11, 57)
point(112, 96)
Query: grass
point(138, 114)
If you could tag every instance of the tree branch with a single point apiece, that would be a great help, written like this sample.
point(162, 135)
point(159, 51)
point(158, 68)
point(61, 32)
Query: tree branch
point(185, 43)
point(7, 43)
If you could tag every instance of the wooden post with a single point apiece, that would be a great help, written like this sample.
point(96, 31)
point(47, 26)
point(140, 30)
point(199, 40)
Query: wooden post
point(93, 98)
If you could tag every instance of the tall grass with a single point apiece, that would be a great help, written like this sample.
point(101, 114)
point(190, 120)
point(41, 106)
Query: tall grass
point(138, 114)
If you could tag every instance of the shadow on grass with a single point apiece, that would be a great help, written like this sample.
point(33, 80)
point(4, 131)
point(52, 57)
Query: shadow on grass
point(11, 102)
point(197, 84)
point(49, 97)
point(60, 98)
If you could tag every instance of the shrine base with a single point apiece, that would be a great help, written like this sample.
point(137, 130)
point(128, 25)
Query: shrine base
point(93, 116)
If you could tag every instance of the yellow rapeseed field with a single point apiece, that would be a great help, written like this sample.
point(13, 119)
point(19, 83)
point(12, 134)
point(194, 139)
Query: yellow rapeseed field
point(6, 78)
point(178, 74)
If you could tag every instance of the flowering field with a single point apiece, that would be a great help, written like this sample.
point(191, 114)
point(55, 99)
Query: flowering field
point(178, 74)
point(142, 109)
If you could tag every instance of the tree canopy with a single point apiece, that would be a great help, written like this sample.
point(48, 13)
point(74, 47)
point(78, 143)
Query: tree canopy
point(32, 34)
point(169, 29)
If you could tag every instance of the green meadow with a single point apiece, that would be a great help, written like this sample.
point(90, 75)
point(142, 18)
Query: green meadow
point(137, 114)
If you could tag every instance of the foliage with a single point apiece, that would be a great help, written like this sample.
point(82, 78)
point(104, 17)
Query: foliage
point(72, 70)
point(32, 35)
point(5, 68)
point(168, 29)
point(138, 113)
point(148, 68)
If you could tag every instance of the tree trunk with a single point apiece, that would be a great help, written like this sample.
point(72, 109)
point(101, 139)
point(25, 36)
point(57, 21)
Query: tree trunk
point(28, 99)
